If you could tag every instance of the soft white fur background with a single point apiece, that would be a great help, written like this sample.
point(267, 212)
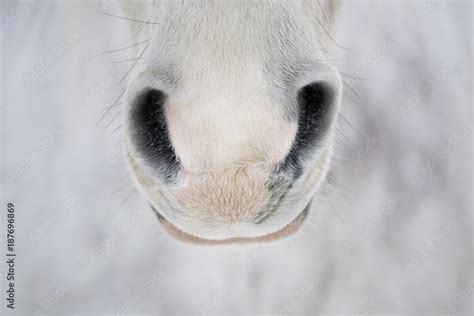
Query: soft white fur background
point(393, 236)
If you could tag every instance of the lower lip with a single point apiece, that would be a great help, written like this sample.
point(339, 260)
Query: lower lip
point(284, 232)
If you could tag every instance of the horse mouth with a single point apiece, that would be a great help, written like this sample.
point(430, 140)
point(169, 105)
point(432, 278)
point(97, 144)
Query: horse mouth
point(286, 231)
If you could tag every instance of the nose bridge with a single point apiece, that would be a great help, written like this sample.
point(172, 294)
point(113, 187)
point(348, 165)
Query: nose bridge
point(233, 121)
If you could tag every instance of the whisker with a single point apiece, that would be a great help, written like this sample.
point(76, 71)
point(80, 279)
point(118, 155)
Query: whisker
point(350, 124)
point(328, 34)
point(343, 191)
point(110, 107)
point(117, 61)
point(322, 10)
point(351, 76)
point(110, 123)
point(134, 64)
point(351, 99)
point(124, 18)
point(125, 178)
point(129, 195)
point(351, 89)
point(328, 52)
point(331, 206)
point(133, 36)
point(117, 50)
point(121, 188)
point(117, 128)
point(342, 138)
point(342, 159)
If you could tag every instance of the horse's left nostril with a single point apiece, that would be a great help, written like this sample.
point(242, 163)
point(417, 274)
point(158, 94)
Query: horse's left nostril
point(149, 133)
point(316, 108)
point(315, 101)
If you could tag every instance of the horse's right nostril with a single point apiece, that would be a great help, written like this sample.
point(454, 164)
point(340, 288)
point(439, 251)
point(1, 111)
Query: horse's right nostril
point(149, 133)
point(316, 108)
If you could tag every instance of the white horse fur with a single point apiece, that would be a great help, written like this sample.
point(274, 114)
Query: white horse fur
point(230, 73)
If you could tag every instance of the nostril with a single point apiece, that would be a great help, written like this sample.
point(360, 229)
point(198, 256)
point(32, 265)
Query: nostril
point(316, 107)
point(149, 133)
point(315, 103)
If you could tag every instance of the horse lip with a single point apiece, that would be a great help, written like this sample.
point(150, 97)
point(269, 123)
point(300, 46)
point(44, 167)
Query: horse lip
point(286, 231)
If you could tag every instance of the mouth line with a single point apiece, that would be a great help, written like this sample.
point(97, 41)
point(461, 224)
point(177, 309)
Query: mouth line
point(286, 231)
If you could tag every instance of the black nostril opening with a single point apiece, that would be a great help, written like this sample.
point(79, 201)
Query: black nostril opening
point(314, 102)
point(150, 135)
point(315, 111)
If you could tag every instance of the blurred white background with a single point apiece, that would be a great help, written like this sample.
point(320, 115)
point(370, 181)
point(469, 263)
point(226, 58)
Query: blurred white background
point(392, 234)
